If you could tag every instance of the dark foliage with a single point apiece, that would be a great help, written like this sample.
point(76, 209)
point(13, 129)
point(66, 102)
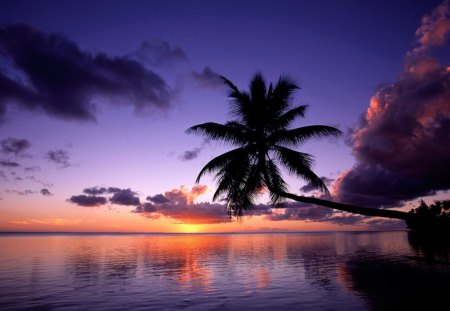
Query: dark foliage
point(431, 219)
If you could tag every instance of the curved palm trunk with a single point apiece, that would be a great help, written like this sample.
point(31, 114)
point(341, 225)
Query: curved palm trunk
point(347, 207)
point(365, 211)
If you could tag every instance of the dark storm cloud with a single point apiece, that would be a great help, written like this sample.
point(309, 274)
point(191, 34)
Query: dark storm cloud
point(13, 146)
point(88, 200)
point(59, 157)
point(310, 187)
point(63, 80)
point(402, 146)
point(9, 164)
point(46, 192)
point(375, 186)
point(159, 52)
point(190, 154)
point(207, 78)
point(125, 197)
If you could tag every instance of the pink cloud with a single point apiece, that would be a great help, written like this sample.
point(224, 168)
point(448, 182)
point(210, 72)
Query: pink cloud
point(434, 28)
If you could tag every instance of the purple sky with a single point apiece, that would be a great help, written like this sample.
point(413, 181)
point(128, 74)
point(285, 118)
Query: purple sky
point(99, 94)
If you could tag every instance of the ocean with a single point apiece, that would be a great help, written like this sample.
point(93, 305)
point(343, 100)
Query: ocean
point(263, 271)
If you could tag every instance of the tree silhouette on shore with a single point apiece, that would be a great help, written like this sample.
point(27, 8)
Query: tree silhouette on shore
point(264, 142)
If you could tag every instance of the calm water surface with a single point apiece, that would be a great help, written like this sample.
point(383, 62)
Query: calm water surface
point(327, 271)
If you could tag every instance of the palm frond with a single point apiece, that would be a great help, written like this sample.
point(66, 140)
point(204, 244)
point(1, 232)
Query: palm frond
point(281, 96)
point(229, 132)
point(299, 163)
point(220, 162)
point(258, 90)
point(243, 199)
point(274, 181)
point(240, 101)
point(233, 180)
point(299, 135)
point(286, 118)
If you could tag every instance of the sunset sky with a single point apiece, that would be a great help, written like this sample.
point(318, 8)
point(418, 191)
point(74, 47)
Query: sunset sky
point(95, 98)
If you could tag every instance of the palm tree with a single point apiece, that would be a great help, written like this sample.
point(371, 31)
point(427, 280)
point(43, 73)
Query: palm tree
point(262, 137)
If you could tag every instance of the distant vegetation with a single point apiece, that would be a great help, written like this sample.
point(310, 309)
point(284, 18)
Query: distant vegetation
point(430, 218)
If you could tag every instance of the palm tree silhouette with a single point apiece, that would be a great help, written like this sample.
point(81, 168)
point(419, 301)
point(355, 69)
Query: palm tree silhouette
point(262, 137)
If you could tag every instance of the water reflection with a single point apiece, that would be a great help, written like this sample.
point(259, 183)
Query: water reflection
point(415, 280)
point(430, 248)
point(341, 271)
point(83, 262)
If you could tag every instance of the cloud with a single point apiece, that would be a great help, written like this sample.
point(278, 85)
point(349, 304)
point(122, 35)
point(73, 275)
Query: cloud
point(46, 192)
point(184, 195)
point(434, 29)
point(94, 198)
point(178, 205)
point(310, 187)
point(32, 168)
point(190, 154)
point(301, 211)
point(207, 78)
point(125, 197)
point(158, 199)
point(21, 193)
point(41, 182)
point(197, 191)
point(159, 52)
point(88, 201)
point(60, 157)
point(102, 190)
point(62, 80)
point(402, 143)
point(95, 190)
point(9, 164)
point(146, 207)
point(14, 146)
point(194, 213)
